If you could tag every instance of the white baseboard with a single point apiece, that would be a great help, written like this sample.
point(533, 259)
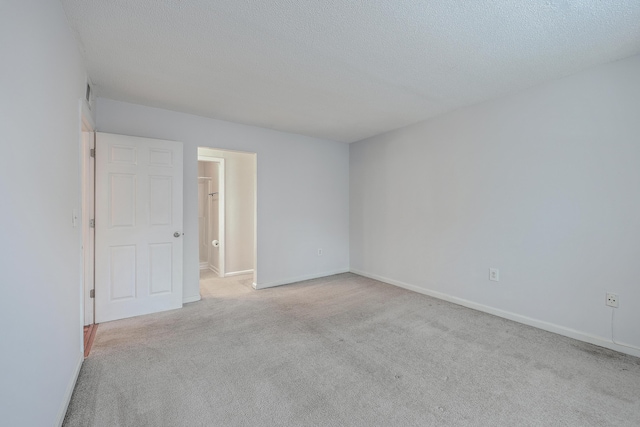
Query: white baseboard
point(258, 286)
point(238, 273)
point(70, 387)
point(204, 265)
point(214, 269)
point(540, 324)
point(193, 298)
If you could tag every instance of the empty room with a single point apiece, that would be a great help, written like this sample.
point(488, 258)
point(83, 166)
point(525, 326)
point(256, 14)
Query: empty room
point(320, 213)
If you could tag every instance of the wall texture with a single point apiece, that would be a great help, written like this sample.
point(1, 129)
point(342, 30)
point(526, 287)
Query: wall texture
point(239, 206)
point(41, 83)
point(303, 190)
point(543, 185)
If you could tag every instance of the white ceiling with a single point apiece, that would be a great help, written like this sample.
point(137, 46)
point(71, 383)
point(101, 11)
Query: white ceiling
point(340, 69)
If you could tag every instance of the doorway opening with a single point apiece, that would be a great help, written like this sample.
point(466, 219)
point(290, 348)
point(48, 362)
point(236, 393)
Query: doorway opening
point(211, 218)
point(227, 213)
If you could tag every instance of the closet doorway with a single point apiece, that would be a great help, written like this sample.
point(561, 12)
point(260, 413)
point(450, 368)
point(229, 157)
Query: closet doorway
point(227, 188)
point(211, 213)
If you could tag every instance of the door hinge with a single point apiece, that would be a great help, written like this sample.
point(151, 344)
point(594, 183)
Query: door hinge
point(92, 293)
point(92, 152)
point(92, 223)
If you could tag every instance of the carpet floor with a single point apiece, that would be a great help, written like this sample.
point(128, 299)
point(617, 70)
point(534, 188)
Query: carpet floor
point(344, 351)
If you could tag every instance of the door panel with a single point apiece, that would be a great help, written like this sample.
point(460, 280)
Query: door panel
point(122, 203)
point(122, 272)
point(138, 210)
point(160, 196)
point(160, 262)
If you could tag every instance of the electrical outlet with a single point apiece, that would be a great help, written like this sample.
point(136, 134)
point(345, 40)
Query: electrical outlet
point(612, 300)
point(494, 274)
point(319, 252)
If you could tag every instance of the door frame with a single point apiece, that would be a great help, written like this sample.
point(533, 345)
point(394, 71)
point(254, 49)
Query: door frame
point(221, 210)
point(87, 195)
point(208, 207)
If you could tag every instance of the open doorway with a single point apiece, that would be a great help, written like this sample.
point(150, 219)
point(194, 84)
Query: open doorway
point(211, 218)
point(227, 213)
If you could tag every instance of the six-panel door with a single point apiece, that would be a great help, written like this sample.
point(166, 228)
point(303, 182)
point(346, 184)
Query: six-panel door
point(138, 252)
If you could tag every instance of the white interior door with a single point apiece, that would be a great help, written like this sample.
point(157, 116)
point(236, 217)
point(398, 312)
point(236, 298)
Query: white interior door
point(138, 254)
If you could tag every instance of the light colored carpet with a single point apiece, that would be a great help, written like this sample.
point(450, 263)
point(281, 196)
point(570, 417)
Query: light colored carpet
point(344, 351)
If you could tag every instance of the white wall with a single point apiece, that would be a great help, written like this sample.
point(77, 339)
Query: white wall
point(239, 170)
point(544, 185)
point(303, 190)
point(41, 83)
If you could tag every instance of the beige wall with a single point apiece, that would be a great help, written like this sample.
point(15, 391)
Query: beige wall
point(210, 254)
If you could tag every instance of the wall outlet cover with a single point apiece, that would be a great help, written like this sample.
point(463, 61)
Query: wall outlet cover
point(612, 300)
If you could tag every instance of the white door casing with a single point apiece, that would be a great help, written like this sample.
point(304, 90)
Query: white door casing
point(88, 236)
point(138, 268)
point(214, 234)
point(204, 188)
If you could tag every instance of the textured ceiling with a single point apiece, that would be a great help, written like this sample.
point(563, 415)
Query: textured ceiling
point(340, 69)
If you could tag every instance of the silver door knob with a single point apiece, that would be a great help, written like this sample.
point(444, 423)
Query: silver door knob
point(176, 234)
